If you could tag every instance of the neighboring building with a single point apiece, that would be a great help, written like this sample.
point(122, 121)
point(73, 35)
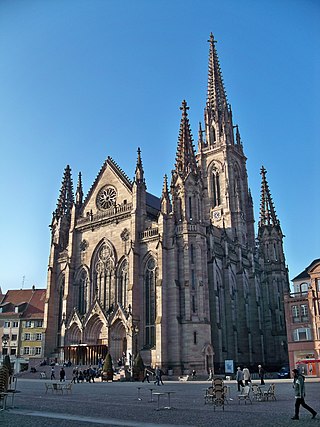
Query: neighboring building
point(302, 308)
point(21, 326)
point(180, 278)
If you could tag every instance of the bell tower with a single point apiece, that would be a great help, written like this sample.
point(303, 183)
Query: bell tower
point(223, 163)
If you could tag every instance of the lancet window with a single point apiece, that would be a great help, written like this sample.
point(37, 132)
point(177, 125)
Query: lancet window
point(123, 278)
point(216, 188)
point(103, 272)
point(150, 302)
point(83, 292)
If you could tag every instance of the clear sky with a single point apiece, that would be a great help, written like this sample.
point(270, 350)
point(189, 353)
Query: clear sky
point(83, 80)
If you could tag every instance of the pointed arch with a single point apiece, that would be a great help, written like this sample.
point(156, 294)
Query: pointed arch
point(215, 170)
point(102, 267)
point(96, 330)
point(82, 282)
point(237, 188)
point(73, 334)
point(122, 282)
point(149, 279)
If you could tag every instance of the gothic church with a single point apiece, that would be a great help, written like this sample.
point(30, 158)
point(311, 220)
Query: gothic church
point(182, 279)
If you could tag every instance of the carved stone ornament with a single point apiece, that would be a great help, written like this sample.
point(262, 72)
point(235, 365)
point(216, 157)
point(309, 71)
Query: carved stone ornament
point(84, 245)
point(125, 235)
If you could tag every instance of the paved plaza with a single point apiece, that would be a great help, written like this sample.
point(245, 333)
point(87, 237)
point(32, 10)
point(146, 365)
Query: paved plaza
point(118, 404)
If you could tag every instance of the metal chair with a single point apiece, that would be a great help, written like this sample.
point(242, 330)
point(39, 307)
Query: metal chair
point(245, 395)
point(270, 393)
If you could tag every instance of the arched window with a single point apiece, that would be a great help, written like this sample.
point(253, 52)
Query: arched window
point(216, 189)
point(304, 288)
point(83, 292)
point(60, 306)
point(150, 301)
point(123, 283)
point(103, 266)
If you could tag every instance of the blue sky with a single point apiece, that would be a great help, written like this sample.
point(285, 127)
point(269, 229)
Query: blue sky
point(83, 80)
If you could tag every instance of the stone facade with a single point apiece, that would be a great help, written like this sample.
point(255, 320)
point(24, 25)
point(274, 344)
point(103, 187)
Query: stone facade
point(182, 278)
point(302, 307)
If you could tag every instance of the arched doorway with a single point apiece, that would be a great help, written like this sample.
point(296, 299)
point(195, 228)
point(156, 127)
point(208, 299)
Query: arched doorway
point(117, 341)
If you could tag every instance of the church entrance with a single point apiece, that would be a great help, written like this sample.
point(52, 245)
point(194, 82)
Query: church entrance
point(84, 354)
point(118, 342)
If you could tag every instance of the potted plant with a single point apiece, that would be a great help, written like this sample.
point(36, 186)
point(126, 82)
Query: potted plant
point(7, 364)
point(107, 370)
point(138, 368)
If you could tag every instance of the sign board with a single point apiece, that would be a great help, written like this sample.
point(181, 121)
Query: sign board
point(228, 366)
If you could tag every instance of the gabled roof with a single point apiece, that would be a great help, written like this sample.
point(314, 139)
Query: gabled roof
point(33, 299)
point(304, 274)
point(117, 170)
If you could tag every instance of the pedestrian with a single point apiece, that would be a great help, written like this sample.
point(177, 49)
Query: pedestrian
point(261, 374)
point(210, 375)
point(75, 374)
point(62, 375)
point(160, 376)
point(246, 376)
point(53, 377)
point(146, 375)
point(239, 378)
point(299, 391)
point(194, 373)
point(157, 375)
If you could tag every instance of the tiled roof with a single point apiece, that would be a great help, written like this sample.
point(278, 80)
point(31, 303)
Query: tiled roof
point(304, 274)
point(32, 298)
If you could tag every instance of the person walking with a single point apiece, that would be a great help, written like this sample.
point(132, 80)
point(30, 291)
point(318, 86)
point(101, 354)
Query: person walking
point(299, 391)
point(239, 378)
point(146, 375)
point(62, 375)
point(261, 374)
point(157, 375)
point(53, 377)
point(246, 376)
point(210, 375)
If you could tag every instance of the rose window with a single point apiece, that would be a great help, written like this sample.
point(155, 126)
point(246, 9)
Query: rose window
point(106, 198)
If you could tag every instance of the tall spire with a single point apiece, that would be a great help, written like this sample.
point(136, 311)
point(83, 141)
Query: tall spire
point(165, 199)
point(66, 197)
point(139, 174)
point(79, 193)
point(216, 98)
point(267, 211)
point(185, 157)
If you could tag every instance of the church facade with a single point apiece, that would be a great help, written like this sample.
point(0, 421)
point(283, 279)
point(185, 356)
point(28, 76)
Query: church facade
point(182, 279)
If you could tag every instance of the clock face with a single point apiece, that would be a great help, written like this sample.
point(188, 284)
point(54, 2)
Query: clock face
point(217, 215)
point(106, 198)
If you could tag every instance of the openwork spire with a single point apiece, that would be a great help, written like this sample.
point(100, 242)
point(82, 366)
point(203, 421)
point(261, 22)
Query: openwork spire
point(216, 98)
point(267, 211)
point(185, 158)
point(79, 193)
point(165, 199)
point(139, 175)
point(66, 197)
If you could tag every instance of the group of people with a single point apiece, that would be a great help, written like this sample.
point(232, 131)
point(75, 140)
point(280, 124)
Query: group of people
point(88, 375)
point(243, 378)
point(157, 374)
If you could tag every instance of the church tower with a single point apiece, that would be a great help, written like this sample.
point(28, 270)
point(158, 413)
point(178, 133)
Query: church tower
point(274, 280)
point(223, 163)
point(190, 251)
point(59, 268)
